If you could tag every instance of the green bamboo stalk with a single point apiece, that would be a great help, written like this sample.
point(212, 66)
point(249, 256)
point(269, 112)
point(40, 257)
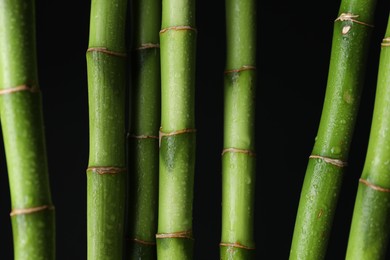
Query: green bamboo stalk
point(144, 128)
point(177, 133)
point(33, 218)
point(371, 217)
point(327, 162)
point(106, 173)
point(238, 157)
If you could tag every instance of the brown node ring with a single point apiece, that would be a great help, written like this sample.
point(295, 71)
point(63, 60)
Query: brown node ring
point(25, 211)
point(236, 150)
point(143, 136)
point(143, 242)
point(335, 162)
point(373, 186)
point(24, 87)
point(178, 132)
point(106, 170)
point(178, 28)
point(107, 51)
point(237, 245)
point(351, 17)
point(145, 46)
point(243, 68)
point(180, 234)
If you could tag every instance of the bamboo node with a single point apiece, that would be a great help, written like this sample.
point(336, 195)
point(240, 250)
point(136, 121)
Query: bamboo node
point(143, 242)
point(243, 68)
point(25, 211)
point(24, 87)
point(142, 136)
point(145, 46)
point(335, 162)
point(106, 169)
point(351, 17)
point(373, 186)
point(237, 245)
point(236, 150)
point(107, 51)
point(179, 28)
point(178, 132)
point(385, 42)
point(180, 234)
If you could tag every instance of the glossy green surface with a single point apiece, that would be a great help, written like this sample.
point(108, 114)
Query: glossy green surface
point(177, 152)
point(238, 169)
point(106, 193)
point(368, 237)
point(145, 121)
point(23, 133)
point(322, 182)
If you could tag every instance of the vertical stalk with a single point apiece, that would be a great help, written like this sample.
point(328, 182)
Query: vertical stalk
point(327, 162)
point(177, 133)
point(371, 218)
point(238, 156)
point(145, 122)
point(32, 215)
point(106, 173)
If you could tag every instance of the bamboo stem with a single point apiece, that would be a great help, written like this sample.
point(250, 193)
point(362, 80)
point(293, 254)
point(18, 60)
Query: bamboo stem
point(371, 217)
point(33, 219)
point(144, 128)
point(238, 157)
point(177, 134)
point(327, 163)
point(106, 173)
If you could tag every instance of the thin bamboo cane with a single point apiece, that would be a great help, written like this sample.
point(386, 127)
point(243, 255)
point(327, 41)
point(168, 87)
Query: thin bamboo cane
point(144, 128)
point(238, 157)
point(371, 218)
point(177, 133)
point(32, 215)
point(327, 163)
point(106, 173)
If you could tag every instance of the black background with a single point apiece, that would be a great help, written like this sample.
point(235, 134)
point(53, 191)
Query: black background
point(294, 43)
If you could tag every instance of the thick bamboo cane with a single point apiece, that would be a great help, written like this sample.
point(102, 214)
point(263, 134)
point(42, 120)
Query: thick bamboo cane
point(106, 173)
point(22, 125)
point(371, 218)
point(238, 156)
point(177, 133)
point(144, 128)
point(328, 160)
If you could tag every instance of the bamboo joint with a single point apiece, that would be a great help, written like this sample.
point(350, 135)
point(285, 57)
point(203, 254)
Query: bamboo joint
point(335, 162)
point(24, 87)
point(106, 170)
point(351, 17)
point(25, 211)
point(373, 186)
point(236, 245)
point(143, 242)
point(236, 150)
point(178, 132)
point(180, 234)
point(179, 28)
point(243, 68)
point(107, 51)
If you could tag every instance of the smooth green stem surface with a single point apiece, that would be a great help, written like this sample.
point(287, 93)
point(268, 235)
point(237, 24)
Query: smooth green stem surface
point(106, 174)
point(23, 133)
point(238, 159)
point(144, 129)
point(369, 234)
point(177, 150)
point(324, 173)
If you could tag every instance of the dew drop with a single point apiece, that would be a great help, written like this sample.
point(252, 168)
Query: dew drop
point(335, 150)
